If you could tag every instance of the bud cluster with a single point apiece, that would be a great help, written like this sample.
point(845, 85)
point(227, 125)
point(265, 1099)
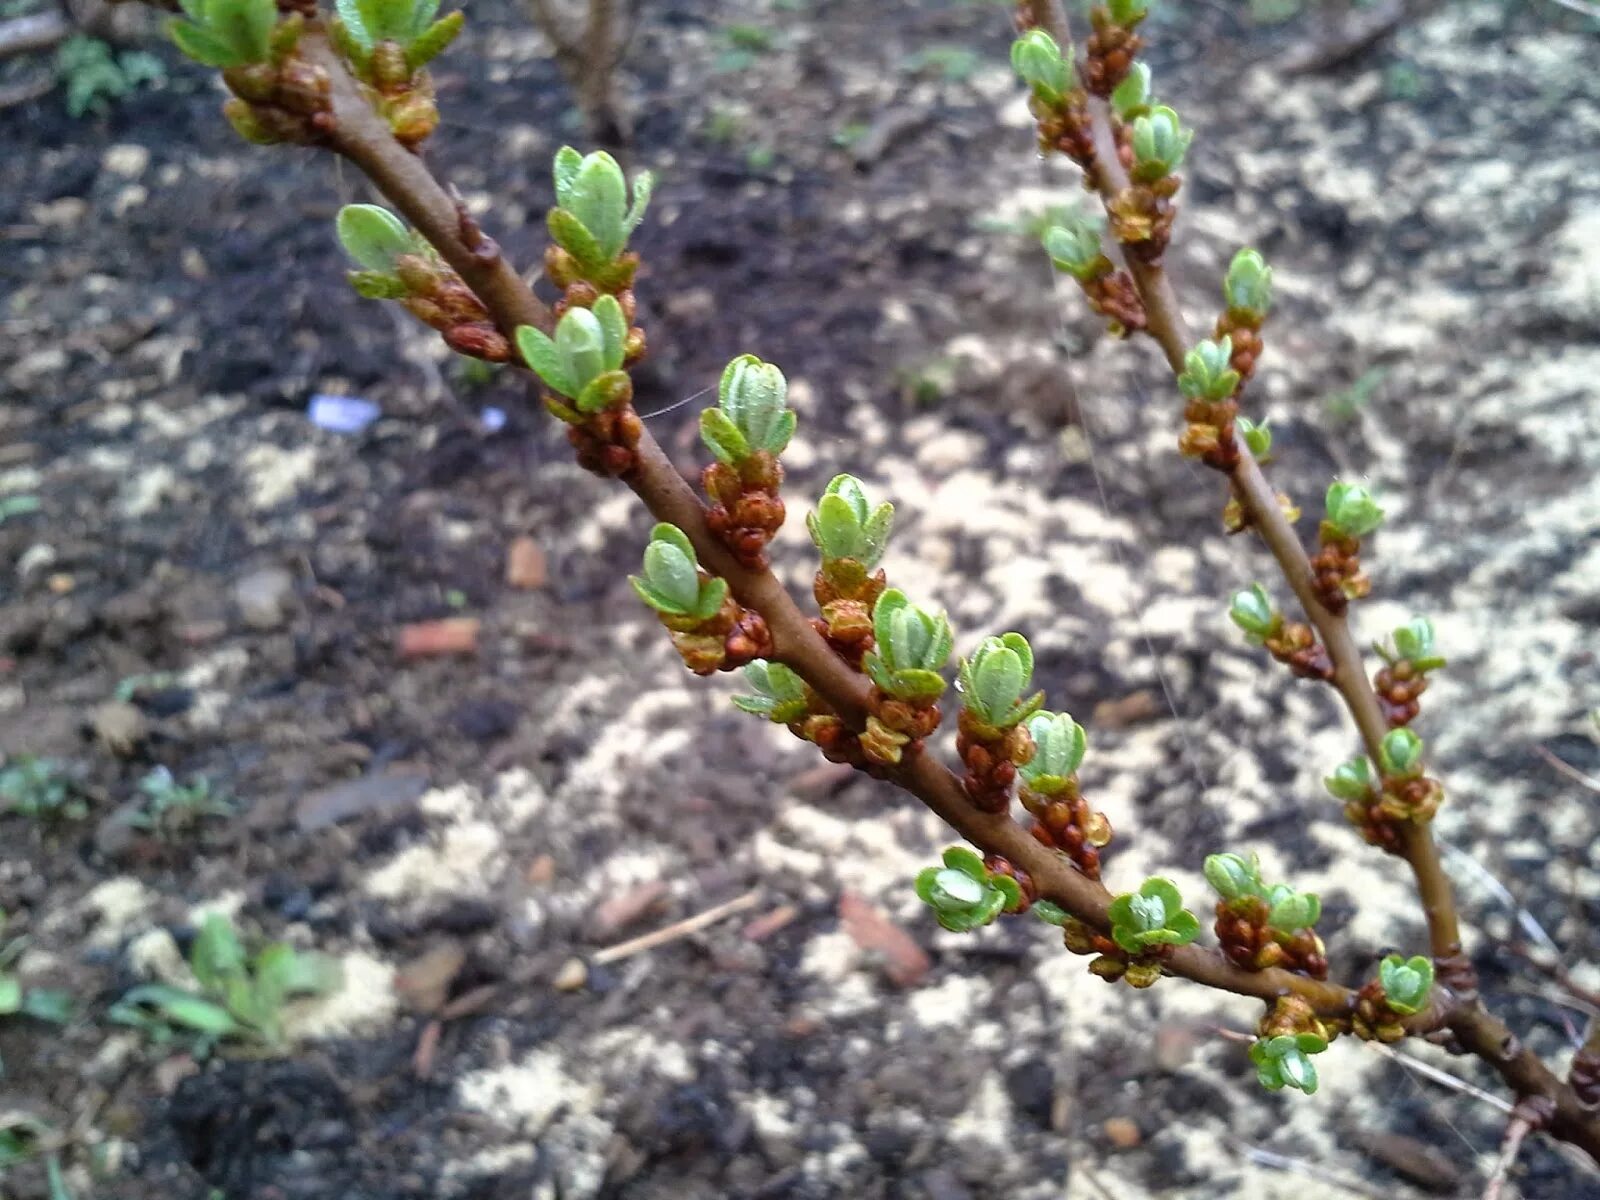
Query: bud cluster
point(993, 739)
point(1380, 804)
point(746, 432)
point(1261, 926)
point(1400, 991)
point(1293, 643)
point(591, 224)
point(1210, 387)
point(1152, 147)
point(1114, 43)
point(395, 263)
point(277, 95)
point(1401, 681)
point(388, 45)
point(710, 629)
point(910, 647)
point(1063, 819)
point(1146, 926)
point(1075, 249)
point(1351, 514)
point(966, 892)
point(851, 535)
point(1057, 100)
point(1287, 1036)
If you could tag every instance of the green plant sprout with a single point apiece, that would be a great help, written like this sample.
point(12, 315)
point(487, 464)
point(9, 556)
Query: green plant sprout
point(241, 998)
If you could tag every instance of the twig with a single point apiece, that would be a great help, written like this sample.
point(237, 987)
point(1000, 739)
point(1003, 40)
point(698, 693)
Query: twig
point(1440, 1076)
point(1263, 1157)
point(1583, 7)
point(1531, 1114)
point(678, 929)
point(1567, 769)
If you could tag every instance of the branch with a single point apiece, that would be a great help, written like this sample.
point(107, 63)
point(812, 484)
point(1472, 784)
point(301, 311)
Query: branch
point(1477, 1030)
point(362, 138)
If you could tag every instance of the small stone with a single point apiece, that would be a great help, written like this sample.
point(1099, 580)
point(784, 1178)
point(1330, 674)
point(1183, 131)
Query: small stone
point(526, 567)
point(127, 159)
point(572, 976)
point(436, 639)
point(1122, 1133)
point(119, 726)
point(263, 597)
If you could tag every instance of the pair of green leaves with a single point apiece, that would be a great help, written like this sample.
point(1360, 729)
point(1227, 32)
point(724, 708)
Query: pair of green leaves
point(1038, 60)
point(912, 646)
point(1207, 371)
point(1151, 917)
point(751, 413)
point(1285, 1061)
point(1159, 144)
point(993, 680)
point(1252, 610)
point(845, 525)
point(226, 33)
point(1413, 643)
point(671, 582)
point(964, 894)
point(1074, 245)
point(375, 240)
point(1236, 877)
point(409, 24)
point(42, 1004)
point(1351, 509)
point(1248, 286)
point(584, 359)
point(1059, 745)
point(241, 997)
point(780, 694)
point(592, 219)
point(1406, 983)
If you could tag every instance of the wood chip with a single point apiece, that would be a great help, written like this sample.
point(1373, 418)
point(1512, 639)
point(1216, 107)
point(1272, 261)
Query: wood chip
point(1122, 1133)
point(437, 639)
point(425, 981)
point(904, 961)
point(769, 923)
point(526, 567)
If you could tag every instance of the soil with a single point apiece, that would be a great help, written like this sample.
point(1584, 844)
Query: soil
point(173, 302)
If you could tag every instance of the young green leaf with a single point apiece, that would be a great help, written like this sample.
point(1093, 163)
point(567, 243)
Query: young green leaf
point(1059, 746)
point(373, 236)
point(1406, 983)
point(844, 525)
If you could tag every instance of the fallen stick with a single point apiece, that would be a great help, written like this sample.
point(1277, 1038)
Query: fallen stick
point(683, 928)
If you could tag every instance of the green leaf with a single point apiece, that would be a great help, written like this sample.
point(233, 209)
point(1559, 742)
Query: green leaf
point(1406, 983)
point(434, 40)
point(1133, 95)
point(1233, 876)
point(544, 360)
point(181, 1008)
point(581, 344)
point(373, 236)
point(1351, 509)
point(246, 26)
point(10, 995)
point(722, 437)
point(598, 198)
point(673, 575)
point(643, 184)
point(217, 954)
point(1401, 753)
point(1295, 911)
point(1248, 287)
point(47, 1004)
point(656, 600)
point(568, 162)
point(1252, 610)
point(713, 593)
point(1351, 780)
point(1050, 912)
point(573, 236)
point(613, 330)
point(962, 858)
point(201, 45)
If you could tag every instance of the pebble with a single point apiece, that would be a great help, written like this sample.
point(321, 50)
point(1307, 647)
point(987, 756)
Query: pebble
point(119, 726)
point(1122, 1133)
point(526, 567)
point(263, 596)
point(572, 976)
point(128, 159)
